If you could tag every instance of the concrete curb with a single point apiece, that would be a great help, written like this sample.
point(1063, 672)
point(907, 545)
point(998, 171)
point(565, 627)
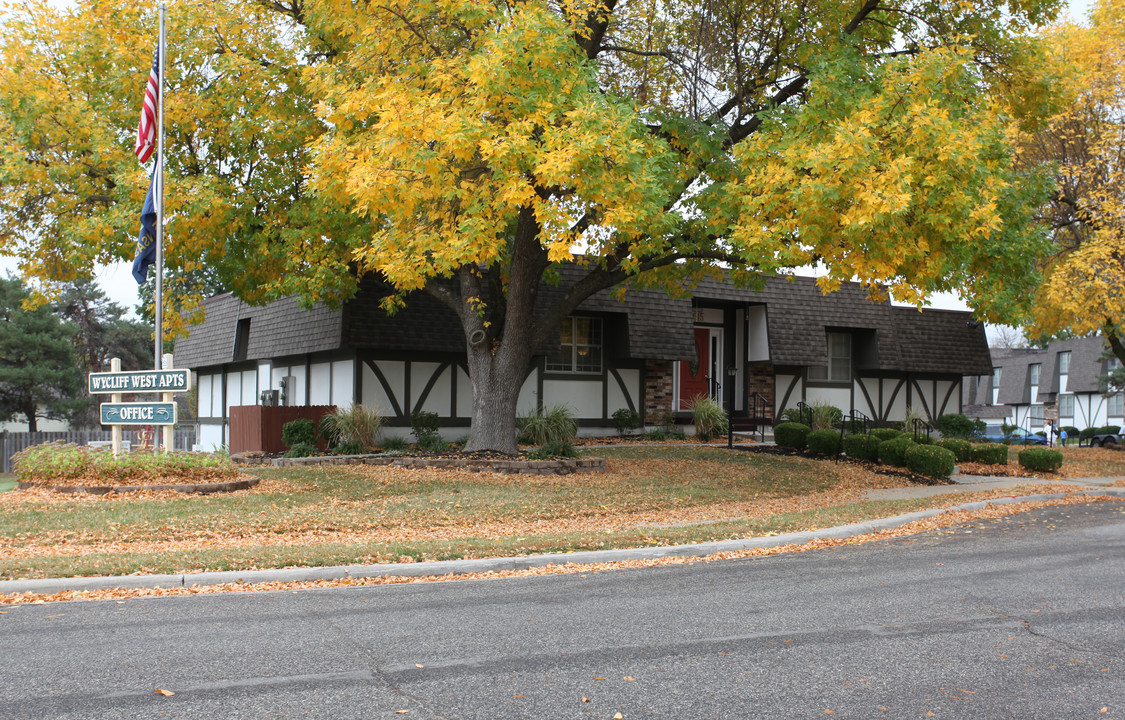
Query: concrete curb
point(461, 567)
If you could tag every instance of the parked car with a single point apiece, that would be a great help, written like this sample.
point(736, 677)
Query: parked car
point(1018, 436)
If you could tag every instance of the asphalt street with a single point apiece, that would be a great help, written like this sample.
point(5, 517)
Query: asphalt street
point(1018, 617)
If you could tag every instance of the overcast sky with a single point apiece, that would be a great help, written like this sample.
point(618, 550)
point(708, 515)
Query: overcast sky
point(118, 284)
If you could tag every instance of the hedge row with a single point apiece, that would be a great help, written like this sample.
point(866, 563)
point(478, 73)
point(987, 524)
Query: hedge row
point(891, 447)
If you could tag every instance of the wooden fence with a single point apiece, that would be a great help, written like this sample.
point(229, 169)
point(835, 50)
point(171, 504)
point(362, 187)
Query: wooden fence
point(12, 442)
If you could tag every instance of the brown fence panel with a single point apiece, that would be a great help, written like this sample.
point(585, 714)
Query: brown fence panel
point(257, 428)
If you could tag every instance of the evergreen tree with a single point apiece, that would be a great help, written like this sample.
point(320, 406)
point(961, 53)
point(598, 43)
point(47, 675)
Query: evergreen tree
point(39, 375)
point(102, 332)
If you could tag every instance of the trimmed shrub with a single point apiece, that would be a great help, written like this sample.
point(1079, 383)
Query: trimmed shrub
point(930, 460)
point(709, 418)
point(625, 420)
point(893, 452)
point(956, 425)
point(886, 433)
point(299, 432)
point(1040, 459)
point(824, 442)
point(990, 454)
point(962, 449)
point(791, 435)
point(922, 439)
point(862, 447)
point(554, 449)
point(1086, 433)
point(301, 449)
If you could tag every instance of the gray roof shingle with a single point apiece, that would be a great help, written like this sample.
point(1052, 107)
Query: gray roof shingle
point(658, 327)
point(278, 329)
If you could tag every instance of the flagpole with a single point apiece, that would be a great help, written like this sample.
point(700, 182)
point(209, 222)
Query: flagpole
point(166, 430)
point(159, 341)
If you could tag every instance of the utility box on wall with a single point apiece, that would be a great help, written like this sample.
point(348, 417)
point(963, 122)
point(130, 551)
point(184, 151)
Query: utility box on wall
point(257, 428)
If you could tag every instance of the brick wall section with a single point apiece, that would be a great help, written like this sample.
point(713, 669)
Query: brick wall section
point(762, 380)
point(658, 390)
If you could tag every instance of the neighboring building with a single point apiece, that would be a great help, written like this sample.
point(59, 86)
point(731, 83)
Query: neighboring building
point(649, 352)
point(19, 424)
point(1031, 387)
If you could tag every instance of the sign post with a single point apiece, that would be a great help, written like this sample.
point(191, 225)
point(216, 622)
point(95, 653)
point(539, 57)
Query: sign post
point(169, 430)
point(115, 367)
point(165, 381)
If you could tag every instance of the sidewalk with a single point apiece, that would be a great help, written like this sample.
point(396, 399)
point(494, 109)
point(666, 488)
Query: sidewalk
point(461, 567)
point(983, 483)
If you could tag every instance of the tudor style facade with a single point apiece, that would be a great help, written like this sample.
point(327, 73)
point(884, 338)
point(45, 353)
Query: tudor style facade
point(1029, 387)
point(756, 352)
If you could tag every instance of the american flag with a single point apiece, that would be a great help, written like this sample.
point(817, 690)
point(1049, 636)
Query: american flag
point(146, 132)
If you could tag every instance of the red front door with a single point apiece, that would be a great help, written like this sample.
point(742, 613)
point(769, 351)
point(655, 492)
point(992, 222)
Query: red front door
point(695, 374)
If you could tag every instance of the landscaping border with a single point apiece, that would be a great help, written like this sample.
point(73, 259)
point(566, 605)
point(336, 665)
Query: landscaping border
point(558, 466)
point(190, 488)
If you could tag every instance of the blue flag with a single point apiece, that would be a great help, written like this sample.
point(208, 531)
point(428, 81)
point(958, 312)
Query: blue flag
point(146, 242)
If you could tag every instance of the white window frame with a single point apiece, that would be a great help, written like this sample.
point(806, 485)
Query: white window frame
point(1066, 400)
point(1115, 405)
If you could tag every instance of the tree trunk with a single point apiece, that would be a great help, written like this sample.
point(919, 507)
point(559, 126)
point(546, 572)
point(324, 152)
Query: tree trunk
point(497, 378)
point(32, 421)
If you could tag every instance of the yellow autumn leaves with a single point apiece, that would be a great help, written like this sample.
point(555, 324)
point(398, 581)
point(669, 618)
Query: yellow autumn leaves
point(450, 134)
point(1085, 286)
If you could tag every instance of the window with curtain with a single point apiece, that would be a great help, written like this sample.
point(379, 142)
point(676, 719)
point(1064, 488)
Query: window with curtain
point(580, 347)
point(839, 368)
point(1117, 405)
point(1066, 406)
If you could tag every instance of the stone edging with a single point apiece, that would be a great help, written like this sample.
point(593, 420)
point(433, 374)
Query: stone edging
point(560, 466)
point(197, 488)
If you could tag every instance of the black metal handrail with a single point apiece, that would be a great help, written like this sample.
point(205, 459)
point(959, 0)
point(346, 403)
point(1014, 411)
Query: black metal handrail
point(848, 422)
point(918, 426)
point(801, 408)
point(758, 400)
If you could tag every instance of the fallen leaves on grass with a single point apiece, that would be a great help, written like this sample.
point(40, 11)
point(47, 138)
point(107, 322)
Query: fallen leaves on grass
point(356, 522)
point(953, 517)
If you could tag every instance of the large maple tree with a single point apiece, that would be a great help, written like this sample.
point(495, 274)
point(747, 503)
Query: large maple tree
point(467, 148)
